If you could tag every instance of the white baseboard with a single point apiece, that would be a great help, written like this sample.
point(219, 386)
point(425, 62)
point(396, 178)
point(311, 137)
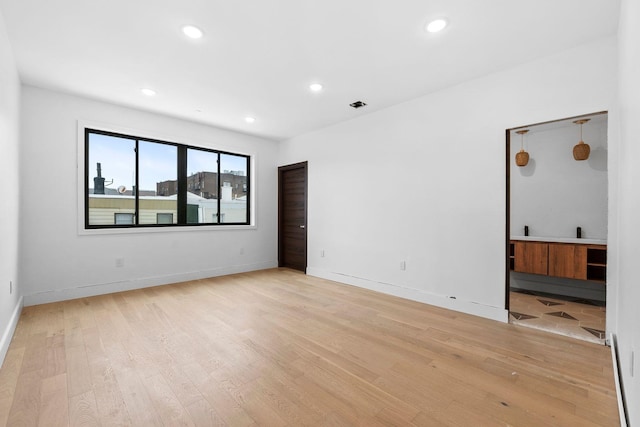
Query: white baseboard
point(469, 307)
point(7, 334)
point(90, 290)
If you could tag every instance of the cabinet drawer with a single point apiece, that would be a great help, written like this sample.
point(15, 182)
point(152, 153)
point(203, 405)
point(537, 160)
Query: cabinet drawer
point(531, 257)
point(568, 260)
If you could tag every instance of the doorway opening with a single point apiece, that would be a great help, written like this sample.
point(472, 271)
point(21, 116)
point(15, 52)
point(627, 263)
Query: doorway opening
point(556, 230)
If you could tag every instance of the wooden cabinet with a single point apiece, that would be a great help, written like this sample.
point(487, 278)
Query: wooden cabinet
point(571, 260)
point(568, 260)
point(531, 257)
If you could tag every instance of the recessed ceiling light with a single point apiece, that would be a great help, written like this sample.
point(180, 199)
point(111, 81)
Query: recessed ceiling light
point(315, 87)
point(436, 25)
point(148, 92)
point(192, 32)
point(249, 119)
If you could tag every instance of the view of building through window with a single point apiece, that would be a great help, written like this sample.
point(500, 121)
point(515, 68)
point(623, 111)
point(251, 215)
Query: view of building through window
point(133, 181)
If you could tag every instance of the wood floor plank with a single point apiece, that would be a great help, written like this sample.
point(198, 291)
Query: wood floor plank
point(109, 400)
point(252, 399)
point(167, 405)
point(72, 328)
point(288, 409)
point(218, 397)
point(277, 347)
point(110, 403)
point(183, 388)
point(203, 415)
point(26, 406)
point(36, 353)
point(53, 397)
point(83, 410)
point(77, 366)
point(9, 375)
point(283, 384)
point(139, 405)
point(55, 357)
point(539, 404)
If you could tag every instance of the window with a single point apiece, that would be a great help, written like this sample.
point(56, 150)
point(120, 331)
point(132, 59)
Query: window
point(140, 182)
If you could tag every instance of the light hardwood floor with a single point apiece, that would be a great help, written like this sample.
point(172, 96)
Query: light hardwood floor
point(278, 348)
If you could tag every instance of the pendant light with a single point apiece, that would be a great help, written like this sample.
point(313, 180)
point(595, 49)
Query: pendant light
point(522, 157)
point(581, 150)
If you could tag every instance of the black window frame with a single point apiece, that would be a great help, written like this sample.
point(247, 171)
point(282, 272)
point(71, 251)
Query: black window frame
point(181, 167)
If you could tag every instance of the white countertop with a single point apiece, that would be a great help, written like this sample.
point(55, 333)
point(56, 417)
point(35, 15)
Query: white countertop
point(560, 240)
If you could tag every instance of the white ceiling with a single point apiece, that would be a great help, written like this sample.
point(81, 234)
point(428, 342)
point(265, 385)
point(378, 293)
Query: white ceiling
point(258, 57)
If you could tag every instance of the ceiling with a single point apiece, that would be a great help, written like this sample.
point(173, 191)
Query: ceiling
point(257, 58)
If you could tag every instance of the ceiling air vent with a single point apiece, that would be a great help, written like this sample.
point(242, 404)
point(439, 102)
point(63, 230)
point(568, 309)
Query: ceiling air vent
point(357, 104)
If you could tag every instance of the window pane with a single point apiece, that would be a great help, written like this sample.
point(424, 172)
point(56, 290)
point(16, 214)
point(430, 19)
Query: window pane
point(123, 218)
point(158, 179)
point(202, 187)
point(233, 188)
point(165, 218)
point(111, 173)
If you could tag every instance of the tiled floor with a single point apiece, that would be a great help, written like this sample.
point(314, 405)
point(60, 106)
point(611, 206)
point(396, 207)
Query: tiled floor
point(580, 319)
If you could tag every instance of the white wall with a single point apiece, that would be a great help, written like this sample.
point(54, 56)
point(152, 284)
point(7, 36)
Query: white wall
point(424, 181)
point(553, 194)
point(10, 303)
point(57, 262)
point(628, 212)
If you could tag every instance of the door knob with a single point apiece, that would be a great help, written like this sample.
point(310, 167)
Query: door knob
point(302, 226)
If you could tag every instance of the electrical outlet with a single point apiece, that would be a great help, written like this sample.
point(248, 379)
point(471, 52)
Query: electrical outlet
point(119, 262)
point(403, 265)
point(321, 253)
point(241, 251)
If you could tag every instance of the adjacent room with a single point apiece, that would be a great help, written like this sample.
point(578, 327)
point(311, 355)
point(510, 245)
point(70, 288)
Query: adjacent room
point(558, 226)
point(303, 213)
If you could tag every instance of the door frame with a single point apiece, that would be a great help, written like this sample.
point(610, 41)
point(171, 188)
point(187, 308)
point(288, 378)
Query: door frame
point(507, 262)
point(508, 197)
point(281, 170)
